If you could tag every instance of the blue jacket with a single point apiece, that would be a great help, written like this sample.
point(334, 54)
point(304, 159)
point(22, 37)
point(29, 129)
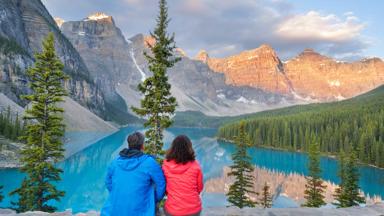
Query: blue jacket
point(135, 183)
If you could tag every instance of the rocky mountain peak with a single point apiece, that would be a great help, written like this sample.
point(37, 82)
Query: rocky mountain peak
point(265, 52)
point(142, 39)
point(99, 16)
point(149, 40)
point(180, 52)
point(202, 56)
point(98, 24)
point(258, 68)
point(59, 21)
point(266, 48)
point(309, 50)
point(312, 55)
point(372, 60)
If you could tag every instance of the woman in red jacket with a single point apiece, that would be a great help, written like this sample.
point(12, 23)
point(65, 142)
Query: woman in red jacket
point(184, 179)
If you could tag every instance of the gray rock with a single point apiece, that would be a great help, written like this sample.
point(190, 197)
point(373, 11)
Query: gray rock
point(108, 56)
point(7, 212)
point(118, 65)
point(23, 26)
point(198, 88)
point(374, 210)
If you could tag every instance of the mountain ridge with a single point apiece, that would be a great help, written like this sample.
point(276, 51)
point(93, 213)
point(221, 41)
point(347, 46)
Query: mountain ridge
point(307, 75)
point(97, 40)
point(106, 68)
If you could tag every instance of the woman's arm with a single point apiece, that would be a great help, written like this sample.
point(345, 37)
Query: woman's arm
point(200, 182)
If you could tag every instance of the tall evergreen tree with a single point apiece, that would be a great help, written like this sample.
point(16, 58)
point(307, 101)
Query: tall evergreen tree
point(8, 124)
point(16, 128)
point(239, 191)
point(25, 192)
point(10, 127)
point(314, 188)
point(339, 192)
point(1, 193)
point(44, 134)
point(348, 193)
point(158, 105)
point(266, 197)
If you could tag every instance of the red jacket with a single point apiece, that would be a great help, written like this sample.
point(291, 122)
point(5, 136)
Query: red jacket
point(184, 185)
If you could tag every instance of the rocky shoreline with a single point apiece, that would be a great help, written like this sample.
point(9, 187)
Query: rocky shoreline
point(372, 210)
point(9, 153)
point(74, 142)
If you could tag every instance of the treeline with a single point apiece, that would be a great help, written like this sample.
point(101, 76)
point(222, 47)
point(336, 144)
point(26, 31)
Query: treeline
point(356, 124)
point(9, 46)
point(11, 127)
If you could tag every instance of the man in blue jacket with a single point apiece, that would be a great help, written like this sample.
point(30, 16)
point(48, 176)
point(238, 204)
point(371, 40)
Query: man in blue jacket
point(135, 182)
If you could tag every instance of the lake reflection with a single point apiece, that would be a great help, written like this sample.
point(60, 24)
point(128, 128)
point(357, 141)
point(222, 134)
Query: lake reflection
point(83, 178)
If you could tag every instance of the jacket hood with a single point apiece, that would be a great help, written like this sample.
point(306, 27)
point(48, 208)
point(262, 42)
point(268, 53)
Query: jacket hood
point(175, 168)
point(130, 159)
point(129, 153)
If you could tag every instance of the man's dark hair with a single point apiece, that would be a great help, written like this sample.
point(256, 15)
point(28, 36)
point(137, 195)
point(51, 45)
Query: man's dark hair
point(136, 141)
point(181, 150)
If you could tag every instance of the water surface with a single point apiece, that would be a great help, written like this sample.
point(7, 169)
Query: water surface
point(83, 177)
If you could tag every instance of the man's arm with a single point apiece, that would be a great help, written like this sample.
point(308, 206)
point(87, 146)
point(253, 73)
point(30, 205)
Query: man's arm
point(158, 178)
point(108, 178)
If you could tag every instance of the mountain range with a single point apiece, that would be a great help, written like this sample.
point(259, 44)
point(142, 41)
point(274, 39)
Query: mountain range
point(309, 75)
point(105, 68)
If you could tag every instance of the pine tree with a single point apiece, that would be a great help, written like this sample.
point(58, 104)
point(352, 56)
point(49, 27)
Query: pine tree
point(339, 192)
point(2, 122)
point(8, 124)
point(352, 182)
point(1, 193)
point(16, 128)
point(158, 105)
point(25, 192)
point(266, 197)
point(314, 188)
point(239, 191)
point(348, 192)
point(44, 132)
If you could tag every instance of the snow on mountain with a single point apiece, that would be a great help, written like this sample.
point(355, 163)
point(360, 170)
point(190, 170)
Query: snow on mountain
point(59, 21)
point(97, 16)
point(143, 76)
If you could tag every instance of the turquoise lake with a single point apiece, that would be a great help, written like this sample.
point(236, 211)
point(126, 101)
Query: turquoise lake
point(83, 177)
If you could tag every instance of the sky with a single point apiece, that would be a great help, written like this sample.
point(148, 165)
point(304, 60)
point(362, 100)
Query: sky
point(343, 29)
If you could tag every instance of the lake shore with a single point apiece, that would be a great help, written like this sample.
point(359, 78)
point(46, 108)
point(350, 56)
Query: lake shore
point(333, 156)
point(373, 210)
point(74, 141)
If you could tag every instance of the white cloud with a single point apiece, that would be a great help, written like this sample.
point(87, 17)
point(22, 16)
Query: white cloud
point(315, 26)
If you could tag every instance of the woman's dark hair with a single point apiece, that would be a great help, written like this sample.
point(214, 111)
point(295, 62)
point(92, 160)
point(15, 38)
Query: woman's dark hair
point(181, 150)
